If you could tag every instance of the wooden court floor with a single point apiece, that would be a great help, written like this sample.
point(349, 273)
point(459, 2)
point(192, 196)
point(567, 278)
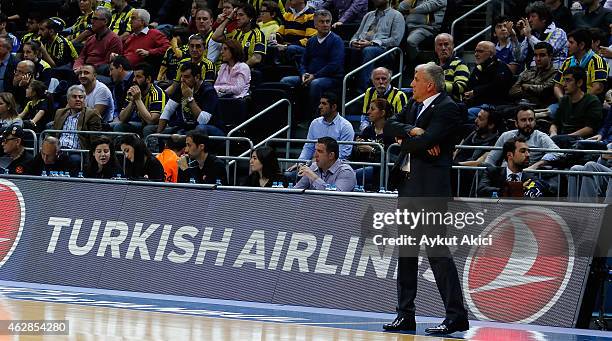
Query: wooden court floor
point(103, 323)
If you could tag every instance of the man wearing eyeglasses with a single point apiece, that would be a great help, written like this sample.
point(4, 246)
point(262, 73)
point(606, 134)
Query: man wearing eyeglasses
point(99, 47)
point(12, 145)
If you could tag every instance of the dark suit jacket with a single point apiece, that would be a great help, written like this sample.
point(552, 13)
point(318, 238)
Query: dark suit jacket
point(429, 175)
point(88, 121)
point(494, 180)
point(9, 73)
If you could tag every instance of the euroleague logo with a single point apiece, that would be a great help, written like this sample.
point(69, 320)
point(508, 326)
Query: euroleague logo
point(12, 218)
point(525, 270)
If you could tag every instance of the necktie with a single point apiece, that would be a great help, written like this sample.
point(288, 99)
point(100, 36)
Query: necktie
point(418, 112)
point(514, 177)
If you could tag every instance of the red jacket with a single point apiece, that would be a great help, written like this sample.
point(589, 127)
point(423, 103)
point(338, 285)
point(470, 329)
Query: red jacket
point(153, 41)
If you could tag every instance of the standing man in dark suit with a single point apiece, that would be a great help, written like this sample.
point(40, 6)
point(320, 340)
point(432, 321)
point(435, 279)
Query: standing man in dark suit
point(425, 126)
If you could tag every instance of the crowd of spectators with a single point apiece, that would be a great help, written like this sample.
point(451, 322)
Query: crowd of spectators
point(168, 67)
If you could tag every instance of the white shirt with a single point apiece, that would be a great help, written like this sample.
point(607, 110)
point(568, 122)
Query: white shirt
point(427, 103)
point(101, 94)
point(509, 172)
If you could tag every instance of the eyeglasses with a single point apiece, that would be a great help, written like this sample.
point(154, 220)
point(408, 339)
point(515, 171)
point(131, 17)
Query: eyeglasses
point(97, 18)
point(9, 139)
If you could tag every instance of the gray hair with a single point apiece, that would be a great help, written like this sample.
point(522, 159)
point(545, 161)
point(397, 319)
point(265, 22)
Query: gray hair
point(322, 13)
point(52, 140)
point(434, 73)
point(30, 65)
point(144, 15)
point(8, 43)
point(73, 89)
point(106, 13)
point(445, 35)
point(382, 68)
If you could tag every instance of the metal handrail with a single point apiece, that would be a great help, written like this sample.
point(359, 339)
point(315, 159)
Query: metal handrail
point(35, 139)
point(545, 150)
point(484, 30)
point(452, 30)
point(286, 128)
point(354, 143)
point(227, 140)
point(343, 104)
point(83, 132)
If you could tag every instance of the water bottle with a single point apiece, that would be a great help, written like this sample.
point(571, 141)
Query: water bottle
point(327, 187)
point(382, 190)
point(275, 184)
point(44, 173)
point(290, 185)
point(356, 188)
point(192, 180)
point(218, 182)
point(118, 177)
point(333, 187)
point(361, 189)
point(61, 174)
point(80, 175)
point(494, 195)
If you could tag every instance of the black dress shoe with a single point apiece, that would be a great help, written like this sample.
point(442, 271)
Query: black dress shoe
point(401, 323)
point(449, 327)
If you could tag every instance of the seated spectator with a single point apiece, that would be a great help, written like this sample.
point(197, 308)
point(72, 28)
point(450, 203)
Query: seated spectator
point(234, 75)
point(329, 124)
point(76, 117)
point(296, 28)
point(173, 56)
point(604, 135)
point(32, 27)
point(540, 27)
point(322, 63)
point(122, 78)
point(456, 73)
point(32, 51)
point(58, 51)
point(24, 73)
point(269, 20)
point(525, 128)
point(98, 48)
point(592, 187)
point(489, 82)
point(3, 32)
point(145, 103)
point(423, 21)
point(227, 14)
point(378, 113)
point(264, 169)
point(348, 12)
point(380, 30)
point(103, 163)
point(12, 145)
point(81, 29)
point(140, 164)
point(487, 126)
point(193, 105)
point(99, 96)
point(579, 114)
point(581, 55)
point(594, 15)
point(8, 111)
point(199, 165)
point(212, 49)
point(37, 111)
point(327, 170)
point(49, 159)
point(144, 42)
point(561, 15)
point(247, 33)
point(507, 181)
point(173, 150)
point(508, 48)
point(206, 68)
point(536, 84)
point(8, 59)
point(120, 21)
point(381, 78)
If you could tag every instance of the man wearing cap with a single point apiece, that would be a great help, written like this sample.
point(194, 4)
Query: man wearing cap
point(12, 145)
